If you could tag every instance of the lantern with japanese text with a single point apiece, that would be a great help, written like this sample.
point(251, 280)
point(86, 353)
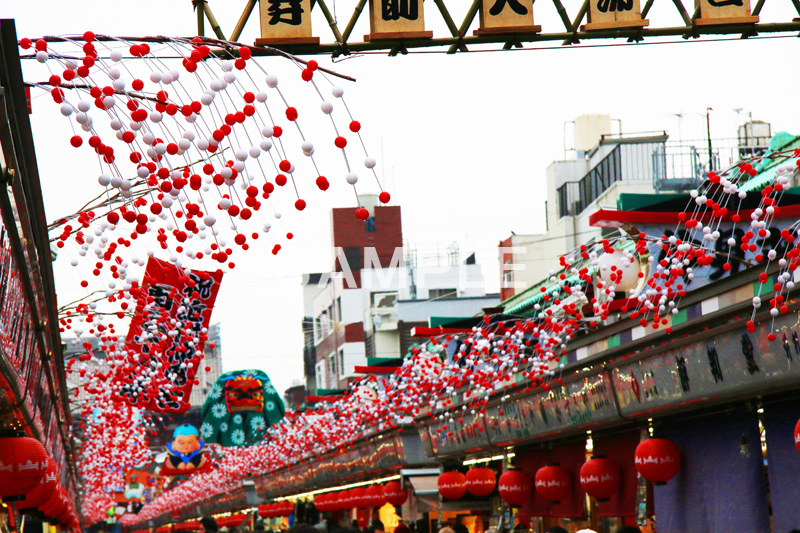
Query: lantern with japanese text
point(358, 495)
point(797, 436)
point(43, 490)
point(346, 500)
point(285, 508)
point(553, 483)
point(657, 460)
point(481, 481)
point(263, 510)
point(321, 502)
point(515, 487)
point(452, 485)
point(375, 497)
point(23, 463)
point(395, 493)
point(600, 478)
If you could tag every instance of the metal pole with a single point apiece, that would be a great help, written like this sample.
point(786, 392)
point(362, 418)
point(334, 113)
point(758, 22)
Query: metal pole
point(708, 133)
point(752, 133)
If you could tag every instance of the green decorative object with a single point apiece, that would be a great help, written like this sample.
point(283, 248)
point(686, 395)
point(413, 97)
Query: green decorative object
point(240, 407)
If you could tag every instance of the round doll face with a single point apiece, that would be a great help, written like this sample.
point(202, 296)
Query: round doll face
point(185, 443)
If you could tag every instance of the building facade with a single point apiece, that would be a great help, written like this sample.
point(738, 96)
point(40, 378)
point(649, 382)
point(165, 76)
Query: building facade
point(363, 312)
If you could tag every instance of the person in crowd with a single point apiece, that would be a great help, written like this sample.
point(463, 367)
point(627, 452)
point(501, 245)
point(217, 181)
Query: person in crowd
point(555, 529)
point(378, 526)
point(447, 529)
point(209, 525)
point(402, 527)
point(630, 529)
point(460, 528)
point(302, 527)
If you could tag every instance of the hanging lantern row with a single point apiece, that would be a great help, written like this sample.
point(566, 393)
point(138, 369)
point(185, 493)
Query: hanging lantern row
point(657, 460)
point(194, 525)
point(231, 521)
point(29, 476)
point(361, 498)
point(274, 510)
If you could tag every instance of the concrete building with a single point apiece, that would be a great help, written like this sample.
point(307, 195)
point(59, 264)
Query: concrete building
point(363, 312)
point(605, 167)
point(213, 359)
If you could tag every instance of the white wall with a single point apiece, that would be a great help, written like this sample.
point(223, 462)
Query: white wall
point(354, 355)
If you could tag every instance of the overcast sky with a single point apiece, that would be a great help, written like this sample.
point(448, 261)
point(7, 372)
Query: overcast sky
point(462, 141)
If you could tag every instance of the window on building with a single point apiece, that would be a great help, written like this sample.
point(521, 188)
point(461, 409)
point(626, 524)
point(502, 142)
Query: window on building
point(339, 308)
point(334, 369)
point(341, 362)
point(442, 293)
point(369, 225)
point(383, 299)
point(352, 255)
point(508, 278)
point(320, 367)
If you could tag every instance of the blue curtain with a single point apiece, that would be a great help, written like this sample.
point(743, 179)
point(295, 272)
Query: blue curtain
point(784, 464)
point(718, 490)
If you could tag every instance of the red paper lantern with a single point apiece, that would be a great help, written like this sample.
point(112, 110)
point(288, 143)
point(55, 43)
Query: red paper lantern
point(340, 502)
point(286, 507)
point(452, 485)
point(23, 462)
point(395, 493)
point(481, 481)
point(797, 436)
point(374, 496)
point(658, 460)
point(515, 487)
point(263, 510)
point(43, 491)
point(346, 500)
point(600, 478)
point(553, 483)
point(359, 497)
point(236, 520)
point(321, 502)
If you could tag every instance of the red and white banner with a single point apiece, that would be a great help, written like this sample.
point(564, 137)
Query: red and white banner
point(169, 327)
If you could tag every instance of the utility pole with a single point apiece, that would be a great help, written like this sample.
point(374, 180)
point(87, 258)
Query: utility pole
point(708, 134)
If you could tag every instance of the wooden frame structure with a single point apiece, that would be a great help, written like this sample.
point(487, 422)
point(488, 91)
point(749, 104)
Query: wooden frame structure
point(578, 27)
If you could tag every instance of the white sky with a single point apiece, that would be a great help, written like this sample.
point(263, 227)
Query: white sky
point(462, 141)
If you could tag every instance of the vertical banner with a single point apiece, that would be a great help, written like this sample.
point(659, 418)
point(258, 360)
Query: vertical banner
point(620, 448)
point(168, 294)
point(720, 486)
point(784, 463)
point(570, 455)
